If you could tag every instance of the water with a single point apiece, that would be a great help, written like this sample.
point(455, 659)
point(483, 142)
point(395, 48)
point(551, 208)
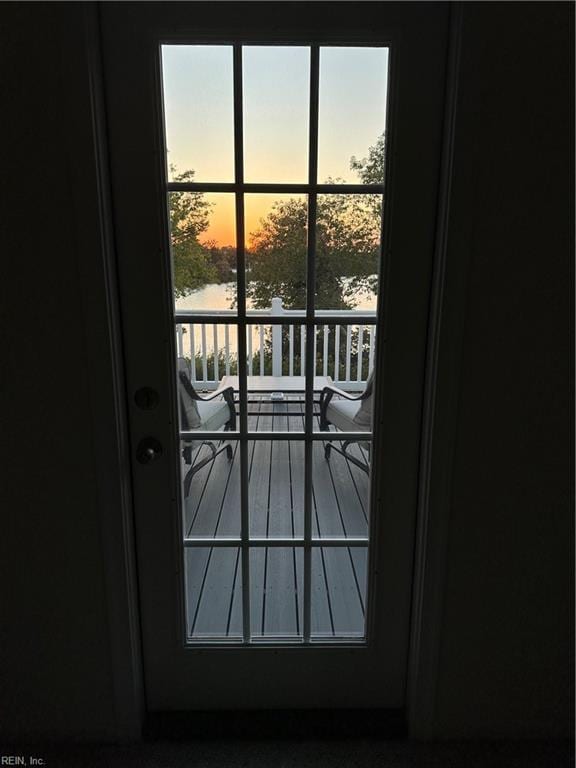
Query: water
point(220, 296)
point(212, 296)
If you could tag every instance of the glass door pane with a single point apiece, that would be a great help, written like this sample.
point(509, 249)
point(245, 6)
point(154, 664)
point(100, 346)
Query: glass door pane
point(198, 112)
point(352, 114)
point(276, 83)
point(275, 462)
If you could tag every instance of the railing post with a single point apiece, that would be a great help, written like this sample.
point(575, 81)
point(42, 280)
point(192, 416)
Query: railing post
point(276, 338)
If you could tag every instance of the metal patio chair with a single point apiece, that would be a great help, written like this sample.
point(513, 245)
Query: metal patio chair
point(210, 412)
point(348, 413)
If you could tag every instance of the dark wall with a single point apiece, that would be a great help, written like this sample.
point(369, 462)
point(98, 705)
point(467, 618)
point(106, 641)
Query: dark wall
point(55, 674)
point(505, 641)
point(506, 648)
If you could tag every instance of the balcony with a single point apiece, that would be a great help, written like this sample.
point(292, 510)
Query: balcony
point(344, 351)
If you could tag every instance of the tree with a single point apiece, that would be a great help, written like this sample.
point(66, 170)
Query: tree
point(276, 259)
point(223, 259)
point(189, 217)
point(371, 169)
point(347, 239)
point(347, 235)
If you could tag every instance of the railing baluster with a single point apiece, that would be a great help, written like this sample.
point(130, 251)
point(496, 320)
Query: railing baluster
point(204, 355)
point(348, 350)
point(302, 348)
point(276, 332)
point(192, 351)
point(261, 350)
point(291, 350)
point(250, 362)
point(360, 352)
point(227, 348)
point(325, 353)
point(315, 353)
point(179, 341)
point(216, 349)
point(372, 348)
point(337, 354)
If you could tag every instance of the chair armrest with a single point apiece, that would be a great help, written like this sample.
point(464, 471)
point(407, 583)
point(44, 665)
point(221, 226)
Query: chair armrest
point(330, 391)
point(216, 393)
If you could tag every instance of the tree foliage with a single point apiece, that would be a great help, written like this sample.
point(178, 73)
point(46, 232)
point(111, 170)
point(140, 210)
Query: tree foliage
point(276, 259)
point(371, 169)
point(189, 216)
point(347, 234)
point(347, 245)
point(223, 260)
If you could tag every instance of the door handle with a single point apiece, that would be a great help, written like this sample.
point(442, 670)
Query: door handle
point(148, 450)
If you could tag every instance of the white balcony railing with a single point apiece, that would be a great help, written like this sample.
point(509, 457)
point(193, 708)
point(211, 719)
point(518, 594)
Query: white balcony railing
point(344, 345)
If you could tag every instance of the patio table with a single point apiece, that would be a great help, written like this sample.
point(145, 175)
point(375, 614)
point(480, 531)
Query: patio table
point(269, 384)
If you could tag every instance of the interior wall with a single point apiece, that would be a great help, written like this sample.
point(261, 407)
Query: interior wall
point(55, 660)
point(505, 663)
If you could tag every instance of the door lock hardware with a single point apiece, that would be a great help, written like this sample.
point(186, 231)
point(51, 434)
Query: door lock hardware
point(148, 450)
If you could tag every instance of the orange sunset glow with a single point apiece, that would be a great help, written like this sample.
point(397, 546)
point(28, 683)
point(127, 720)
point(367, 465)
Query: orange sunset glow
point(222, 227)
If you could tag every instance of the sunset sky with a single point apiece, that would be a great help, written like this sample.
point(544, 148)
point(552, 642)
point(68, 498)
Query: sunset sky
point(198, 103)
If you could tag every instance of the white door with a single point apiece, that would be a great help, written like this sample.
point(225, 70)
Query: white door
point(275, 198)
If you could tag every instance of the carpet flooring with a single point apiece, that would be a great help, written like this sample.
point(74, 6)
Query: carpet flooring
point(313, 754)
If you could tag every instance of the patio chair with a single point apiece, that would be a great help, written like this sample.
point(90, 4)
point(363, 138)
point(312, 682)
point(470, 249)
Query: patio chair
point(210, 412)
point(348, 413)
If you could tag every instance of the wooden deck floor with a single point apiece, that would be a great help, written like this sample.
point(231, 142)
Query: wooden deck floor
point(276, 504)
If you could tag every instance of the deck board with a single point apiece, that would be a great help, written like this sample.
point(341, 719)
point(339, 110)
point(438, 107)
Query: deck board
point(321, 616)
point(281, 610)
point(214, 608)
point(258, 493)
point(276, 508)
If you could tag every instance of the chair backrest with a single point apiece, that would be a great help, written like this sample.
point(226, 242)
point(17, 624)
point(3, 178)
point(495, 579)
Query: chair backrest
point(189, 416)
point(364, 415)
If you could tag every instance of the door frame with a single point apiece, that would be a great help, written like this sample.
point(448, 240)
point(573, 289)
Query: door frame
point(445, 349)
point(113, 480)
point(106, 408)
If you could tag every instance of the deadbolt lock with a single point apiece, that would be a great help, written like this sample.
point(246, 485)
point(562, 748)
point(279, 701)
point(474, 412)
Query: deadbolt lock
point(148, 450)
